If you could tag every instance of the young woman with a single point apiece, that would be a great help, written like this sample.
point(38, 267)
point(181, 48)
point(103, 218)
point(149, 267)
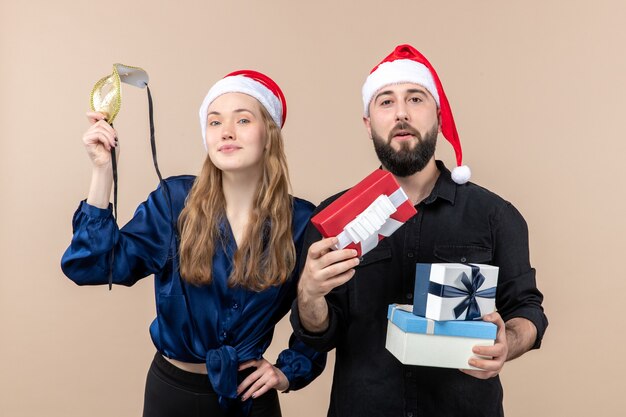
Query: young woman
point(222, 248)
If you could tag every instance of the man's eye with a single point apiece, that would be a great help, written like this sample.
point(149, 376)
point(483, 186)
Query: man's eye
point(385, 102)
point(214, 123)
point(415, 99)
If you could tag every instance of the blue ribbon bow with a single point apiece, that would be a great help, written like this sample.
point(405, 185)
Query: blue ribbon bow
point(470, 293)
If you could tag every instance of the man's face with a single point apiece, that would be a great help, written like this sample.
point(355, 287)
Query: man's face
point(403, 124)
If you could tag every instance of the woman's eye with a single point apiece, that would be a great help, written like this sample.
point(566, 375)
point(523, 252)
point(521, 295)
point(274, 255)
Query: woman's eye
point(214, 123)
point(244, 121)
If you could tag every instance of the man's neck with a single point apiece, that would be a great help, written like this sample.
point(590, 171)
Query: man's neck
point(419, 185)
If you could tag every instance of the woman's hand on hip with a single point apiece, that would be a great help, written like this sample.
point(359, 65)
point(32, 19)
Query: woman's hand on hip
point(265, 377)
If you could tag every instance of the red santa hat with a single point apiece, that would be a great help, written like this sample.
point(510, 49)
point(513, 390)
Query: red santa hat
point(407, 65)
point(254, 84)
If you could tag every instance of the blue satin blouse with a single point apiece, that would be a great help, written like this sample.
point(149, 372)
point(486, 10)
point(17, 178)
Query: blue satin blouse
point(214, 324)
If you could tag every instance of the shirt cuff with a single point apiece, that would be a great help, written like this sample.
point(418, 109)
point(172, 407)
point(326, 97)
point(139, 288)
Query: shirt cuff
point(288, 371)
point(93, 211)
point(536, 317)
point(322, 342)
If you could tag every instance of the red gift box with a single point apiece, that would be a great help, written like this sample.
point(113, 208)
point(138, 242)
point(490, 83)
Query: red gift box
point(367, 213)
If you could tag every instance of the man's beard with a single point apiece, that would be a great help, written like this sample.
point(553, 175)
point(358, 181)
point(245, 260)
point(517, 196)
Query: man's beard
point(406, 161)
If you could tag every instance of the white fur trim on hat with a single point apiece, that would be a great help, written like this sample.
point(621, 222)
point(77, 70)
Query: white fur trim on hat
point(245, 85)
point(461, 174)
point(397, 72)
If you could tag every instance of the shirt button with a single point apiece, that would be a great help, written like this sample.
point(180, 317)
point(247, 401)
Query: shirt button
point(235, 306)
point(409, 414)
point(410, 254)
point(409, 295)
point(224, 335)
point(464, 259)
point(409, 374)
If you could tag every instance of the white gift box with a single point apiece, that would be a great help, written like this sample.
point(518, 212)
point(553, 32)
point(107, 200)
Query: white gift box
point(451, 291)
point(416, 340)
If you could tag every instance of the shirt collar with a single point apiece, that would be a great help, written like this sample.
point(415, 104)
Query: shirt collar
point(444, 187)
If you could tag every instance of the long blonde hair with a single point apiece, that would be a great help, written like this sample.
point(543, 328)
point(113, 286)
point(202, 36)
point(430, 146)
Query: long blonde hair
point(267, 254)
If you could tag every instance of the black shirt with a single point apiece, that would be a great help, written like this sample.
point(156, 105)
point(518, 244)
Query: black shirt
point(456, 223)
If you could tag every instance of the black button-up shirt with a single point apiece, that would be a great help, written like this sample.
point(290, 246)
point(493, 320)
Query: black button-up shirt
point(456, 223)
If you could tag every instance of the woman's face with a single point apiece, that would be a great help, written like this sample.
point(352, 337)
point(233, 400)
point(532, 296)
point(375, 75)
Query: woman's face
point(235, 133)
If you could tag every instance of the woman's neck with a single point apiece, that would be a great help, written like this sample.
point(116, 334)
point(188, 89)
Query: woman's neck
point(239, 192)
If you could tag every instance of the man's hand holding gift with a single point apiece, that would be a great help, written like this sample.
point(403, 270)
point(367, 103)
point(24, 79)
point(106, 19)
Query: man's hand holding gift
point(324, 270)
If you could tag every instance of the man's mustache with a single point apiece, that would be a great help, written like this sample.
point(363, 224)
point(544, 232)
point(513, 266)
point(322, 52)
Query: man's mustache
point(404, 127)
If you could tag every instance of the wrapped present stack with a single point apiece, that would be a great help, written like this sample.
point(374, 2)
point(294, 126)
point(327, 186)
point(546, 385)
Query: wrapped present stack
point(443, 325)
point(367, 213)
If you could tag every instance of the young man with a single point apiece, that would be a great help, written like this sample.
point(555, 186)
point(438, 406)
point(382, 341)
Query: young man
point(342, 300)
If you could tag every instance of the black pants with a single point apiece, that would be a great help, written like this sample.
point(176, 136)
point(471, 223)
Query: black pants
point(173, 392)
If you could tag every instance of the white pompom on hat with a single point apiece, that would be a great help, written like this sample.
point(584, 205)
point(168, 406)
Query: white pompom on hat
point(407, 65)
point(254, 84)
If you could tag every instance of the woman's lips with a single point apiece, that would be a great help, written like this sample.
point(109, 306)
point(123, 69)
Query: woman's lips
point(228, 148)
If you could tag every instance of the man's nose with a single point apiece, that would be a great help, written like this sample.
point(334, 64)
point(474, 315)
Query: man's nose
point(401, 112)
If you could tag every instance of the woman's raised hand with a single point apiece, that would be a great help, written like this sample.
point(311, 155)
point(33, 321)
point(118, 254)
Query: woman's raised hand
point(99, 139)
